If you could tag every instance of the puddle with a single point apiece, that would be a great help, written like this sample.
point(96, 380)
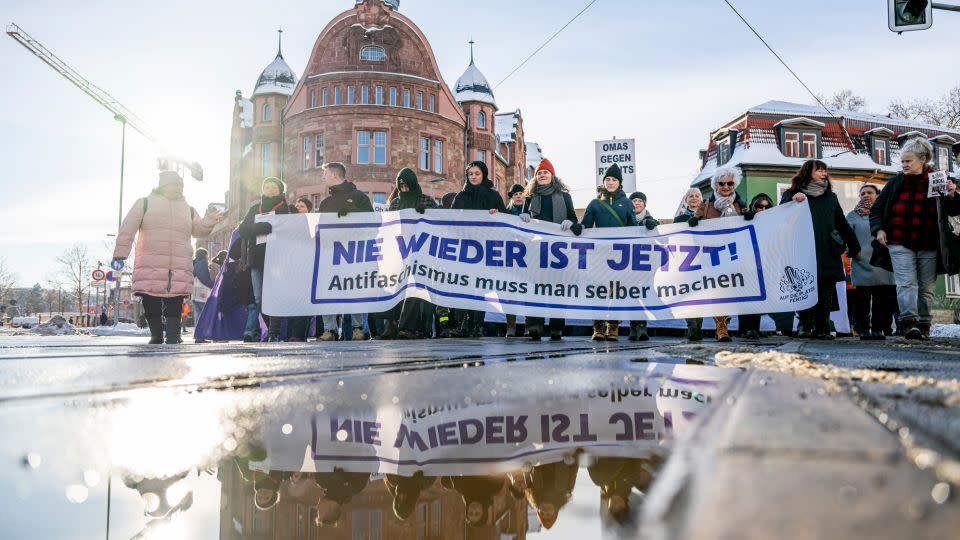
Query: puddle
point(492, 451)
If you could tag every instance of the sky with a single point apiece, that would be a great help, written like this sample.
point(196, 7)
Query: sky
point(664, 73)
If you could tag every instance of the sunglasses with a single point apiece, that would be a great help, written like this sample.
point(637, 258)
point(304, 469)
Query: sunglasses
point(763, 207)
point(726, 183)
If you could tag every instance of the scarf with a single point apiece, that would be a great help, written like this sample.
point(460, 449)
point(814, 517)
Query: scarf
point(725, 204)
point(270, 204)
point(556, 200)
point(410, 199)
point(643, 215)
point(863, 207)
point(815, 189)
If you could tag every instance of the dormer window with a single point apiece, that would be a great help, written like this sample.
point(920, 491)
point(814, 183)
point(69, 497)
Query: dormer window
point(373, 53)
point(800, 138)
point(726, 142)
point(943, 154)
point(878, 140)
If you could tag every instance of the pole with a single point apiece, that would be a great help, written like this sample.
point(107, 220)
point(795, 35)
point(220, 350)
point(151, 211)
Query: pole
point(123, 150)
point(109, 478)
point(945, 7)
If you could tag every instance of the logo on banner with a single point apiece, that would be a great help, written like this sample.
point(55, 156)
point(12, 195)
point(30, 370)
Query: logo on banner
point(796, 284)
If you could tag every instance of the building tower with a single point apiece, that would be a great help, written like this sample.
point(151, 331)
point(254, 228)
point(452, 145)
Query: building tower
point(475, 96)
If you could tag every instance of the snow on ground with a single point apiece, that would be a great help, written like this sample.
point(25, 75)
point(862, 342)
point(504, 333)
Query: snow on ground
point(121, 329)
point(945, 330)
point(56, 326)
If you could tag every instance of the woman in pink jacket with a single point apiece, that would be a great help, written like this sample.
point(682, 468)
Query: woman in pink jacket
point(163, 266)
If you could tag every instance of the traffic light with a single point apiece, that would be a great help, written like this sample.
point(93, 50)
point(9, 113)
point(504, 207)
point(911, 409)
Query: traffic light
point(908, 15)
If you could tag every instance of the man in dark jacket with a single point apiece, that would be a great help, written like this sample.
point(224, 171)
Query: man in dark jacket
point(344, 198)
point(272, 201)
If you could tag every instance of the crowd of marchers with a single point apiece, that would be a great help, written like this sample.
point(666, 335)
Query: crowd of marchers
point(897, 240)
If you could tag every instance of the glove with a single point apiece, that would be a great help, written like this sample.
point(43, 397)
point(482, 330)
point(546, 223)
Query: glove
point(262, 228)
point(749, 215)
point(576, 229)
point(421, 209)
point(565, 225)
point(693, 222)
point(342, 212)
point(525, 218)
point(650, 223)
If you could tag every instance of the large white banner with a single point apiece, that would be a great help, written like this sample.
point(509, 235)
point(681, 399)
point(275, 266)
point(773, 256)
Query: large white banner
point(365, 263)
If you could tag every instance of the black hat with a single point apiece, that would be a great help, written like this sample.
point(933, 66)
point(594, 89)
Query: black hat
point(613, 171)
point(638, 195)
point(516, 188)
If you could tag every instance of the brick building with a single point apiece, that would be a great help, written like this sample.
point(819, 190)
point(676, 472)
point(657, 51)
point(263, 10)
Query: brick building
point(372, 97)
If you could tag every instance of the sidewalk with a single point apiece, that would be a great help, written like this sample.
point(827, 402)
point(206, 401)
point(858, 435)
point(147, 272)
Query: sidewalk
point(789, 457)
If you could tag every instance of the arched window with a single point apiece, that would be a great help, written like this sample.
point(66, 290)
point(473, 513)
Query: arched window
point(373, 53)
point(481, 120)
point(267, 112)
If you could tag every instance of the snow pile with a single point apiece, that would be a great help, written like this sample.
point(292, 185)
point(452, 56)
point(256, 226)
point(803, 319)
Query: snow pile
point(56, 326)
point(796, 364)
point(121, 329)
point(945, 330)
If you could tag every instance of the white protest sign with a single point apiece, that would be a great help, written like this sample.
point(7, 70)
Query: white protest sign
point(623, 153)
point(937, 186)
point(319, 264)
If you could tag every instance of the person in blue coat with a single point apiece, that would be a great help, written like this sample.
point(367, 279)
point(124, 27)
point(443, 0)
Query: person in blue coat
point(611, 208)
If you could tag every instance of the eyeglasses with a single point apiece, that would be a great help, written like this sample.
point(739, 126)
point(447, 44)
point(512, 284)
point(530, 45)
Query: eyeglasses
point(726, 183)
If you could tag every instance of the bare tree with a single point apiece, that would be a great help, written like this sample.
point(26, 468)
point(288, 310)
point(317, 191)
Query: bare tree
point(943, 111)
point(844, 100)
point(54, 297)
point(7, 280)
point(75, 268)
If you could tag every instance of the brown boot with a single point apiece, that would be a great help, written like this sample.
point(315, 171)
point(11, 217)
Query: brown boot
point(924, 330)
point(911, 328)
point(599, 331)
point(723, 335)
point(613, 330)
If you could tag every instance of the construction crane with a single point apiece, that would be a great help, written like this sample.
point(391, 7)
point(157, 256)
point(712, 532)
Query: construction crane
point(120, 113)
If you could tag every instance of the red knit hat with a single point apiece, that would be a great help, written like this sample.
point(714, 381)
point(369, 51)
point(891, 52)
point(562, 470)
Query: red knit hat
point(545, 164)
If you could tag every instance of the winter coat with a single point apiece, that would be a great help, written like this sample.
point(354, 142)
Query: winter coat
point(546, 210)
point(254, 253)
point(163, 265)
point(828, 224)
point(341, 486)
point(881, 214)
point(514, 210)
point(425, 202)
point(202, 280)
point(709, 211)
point(618, 476)
point(347, 198)
point(481, 197)
point(684, 216)
point(610, 210)
point(475, 488)
point(862, 273)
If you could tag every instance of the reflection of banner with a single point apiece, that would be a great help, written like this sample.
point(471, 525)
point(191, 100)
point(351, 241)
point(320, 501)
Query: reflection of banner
point(615, 419)
point(321, 264)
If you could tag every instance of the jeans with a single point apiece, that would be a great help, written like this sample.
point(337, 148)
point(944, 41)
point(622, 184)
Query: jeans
point(253, 309)
point(197, 310)
point(330, 322)
point(915, 273)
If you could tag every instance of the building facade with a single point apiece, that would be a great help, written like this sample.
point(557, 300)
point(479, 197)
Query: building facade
point(770, 142)
point(372, 97)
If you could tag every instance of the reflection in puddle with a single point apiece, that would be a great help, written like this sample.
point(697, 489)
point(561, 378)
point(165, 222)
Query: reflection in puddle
point(498, 451)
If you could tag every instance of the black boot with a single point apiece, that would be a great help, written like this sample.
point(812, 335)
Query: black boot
point(641, 330)
point(156, 330)
point(173, 331)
